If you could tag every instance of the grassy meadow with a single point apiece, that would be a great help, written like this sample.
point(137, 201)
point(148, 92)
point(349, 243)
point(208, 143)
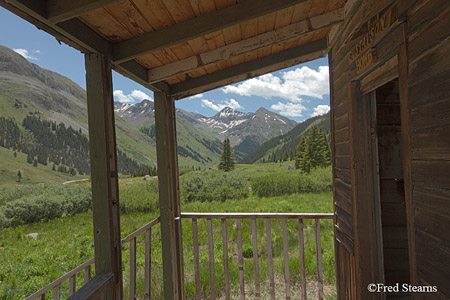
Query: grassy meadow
point(66, 241)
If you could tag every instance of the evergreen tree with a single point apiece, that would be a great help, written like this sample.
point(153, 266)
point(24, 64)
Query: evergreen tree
point(313, 151)
point(29, 158)
point(54, 167)
point(227, 159)
point(35, 163)
point(19, 176)
point(15, 154)
point(300, 152)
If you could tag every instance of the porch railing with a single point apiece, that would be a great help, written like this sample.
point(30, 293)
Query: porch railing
point(85, 268)
point(268, 218)
point(225, 221)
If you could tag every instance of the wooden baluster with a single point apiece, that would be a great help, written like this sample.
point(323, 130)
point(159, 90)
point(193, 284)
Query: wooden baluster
point(72, 284)
point(286, 260)
point(148, 264)
point(301, 247)
point(87, 274)
point(196, 259)
point(41, 297)
point(255, 259)
point(270, 259)
point(57, 292)
point(319, 260)
point(241, 259)
point(212, 280)
point(225, 259)
point(132, 268)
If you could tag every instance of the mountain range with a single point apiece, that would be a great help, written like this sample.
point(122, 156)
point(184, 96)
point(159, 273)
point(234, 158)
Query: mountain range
point(26, 89)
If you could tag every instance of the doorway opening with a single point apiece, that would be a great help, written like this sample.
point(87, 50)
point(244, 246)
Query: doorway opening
point(388, 146)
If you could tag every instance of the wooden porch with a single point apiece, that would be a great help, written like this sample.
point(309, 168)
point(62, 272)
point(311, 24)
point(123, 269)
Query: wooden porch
point(257, 288)
point(390, 118)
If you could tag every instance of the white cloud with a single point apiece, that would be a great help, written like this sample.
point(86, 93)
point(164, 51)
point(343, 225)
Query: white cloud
point(291, 85)
point(140, 95)
point(134, 96)
point(27, 54)
point(320, 110)
point(218, 107)
point(289, 109)
point(196, 96)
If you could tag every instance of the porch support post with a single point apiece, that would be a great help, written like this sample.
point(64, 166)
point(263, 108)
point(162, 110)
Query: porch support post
point(169, 196)
point(104, 177)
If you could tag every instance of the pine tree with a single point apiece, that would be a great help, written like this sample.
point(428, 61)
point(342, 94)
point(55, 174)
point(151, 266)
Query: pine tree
point(314, 151)
point(300, 152)
point(35, 163)
point(227, 159)
point(19, 176)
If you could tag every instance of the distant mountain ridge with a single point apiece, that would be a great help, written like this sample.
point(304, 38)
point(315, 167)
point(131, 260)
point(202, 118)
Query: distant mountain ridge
point(283, 146)
point(26, 89)
point(245, 130)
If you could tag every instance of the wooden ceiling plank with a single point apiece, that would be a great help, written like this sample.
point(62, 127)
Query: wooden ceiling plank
point(106, 25)
point(250, 69)
point(266, 23)
point(155, 13)
point(62, 10)
point(78, 35)
point(221, 4)
point(301, 11)
point(258, 42)
point(232, 34)
point(249, 29)
point(197, 27)
point(284, 17)
point(130, 17)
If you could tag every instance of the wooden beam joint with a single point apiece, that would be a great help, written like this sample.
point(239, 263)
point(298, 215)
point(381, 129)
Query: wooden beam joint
point(63, 10)
point(197, 27)
point(250, 69)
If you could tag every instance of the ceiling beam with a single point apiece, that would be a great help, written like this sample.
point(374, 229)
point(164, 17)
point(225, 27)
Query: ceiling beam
point(197, 27)
point(138, 73)
point(63, 10)
point(79, 36)
point(257, 67)
point(242, 47)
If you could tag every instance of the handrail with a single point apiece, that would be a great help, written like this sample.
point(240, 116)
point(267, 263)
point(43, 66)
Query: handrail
point(61, 279)
point(93, 288)
point(140, 230)
point(267, 217)
point(85, 266)
point(190, 215)
point(147, 228)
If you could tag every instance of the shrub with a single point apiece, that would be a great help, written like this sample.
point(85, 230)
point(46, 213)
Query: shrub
point(290, 182)
point(208, 186)
point(44, 204)
point(139, 197)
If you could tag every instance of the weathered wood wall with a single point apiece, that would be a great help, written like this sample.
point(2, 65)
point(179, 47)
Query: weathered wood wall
point(412, 45)
point(429, 127)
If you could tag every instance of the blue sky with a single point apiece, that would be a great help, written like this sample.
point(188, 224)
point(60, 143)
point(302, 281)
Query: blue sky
point(297, 93)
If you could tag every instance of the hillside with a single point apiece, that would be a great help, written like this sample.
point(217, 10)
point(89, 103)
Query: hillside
point(26, 90)
point(283, 146)
point(246, 130)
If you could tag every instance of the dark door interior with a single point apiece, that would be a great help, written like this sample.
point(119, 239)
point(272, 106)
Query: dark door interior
point(391, 185)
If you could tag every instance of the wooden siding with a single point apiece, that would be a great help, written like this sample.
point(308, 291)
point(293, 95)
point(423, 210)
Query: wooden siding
point(429, 112)
point(417, 45)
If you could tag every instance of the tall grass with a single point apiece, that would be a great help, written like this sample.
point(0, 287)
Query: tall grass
point(292, 182)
